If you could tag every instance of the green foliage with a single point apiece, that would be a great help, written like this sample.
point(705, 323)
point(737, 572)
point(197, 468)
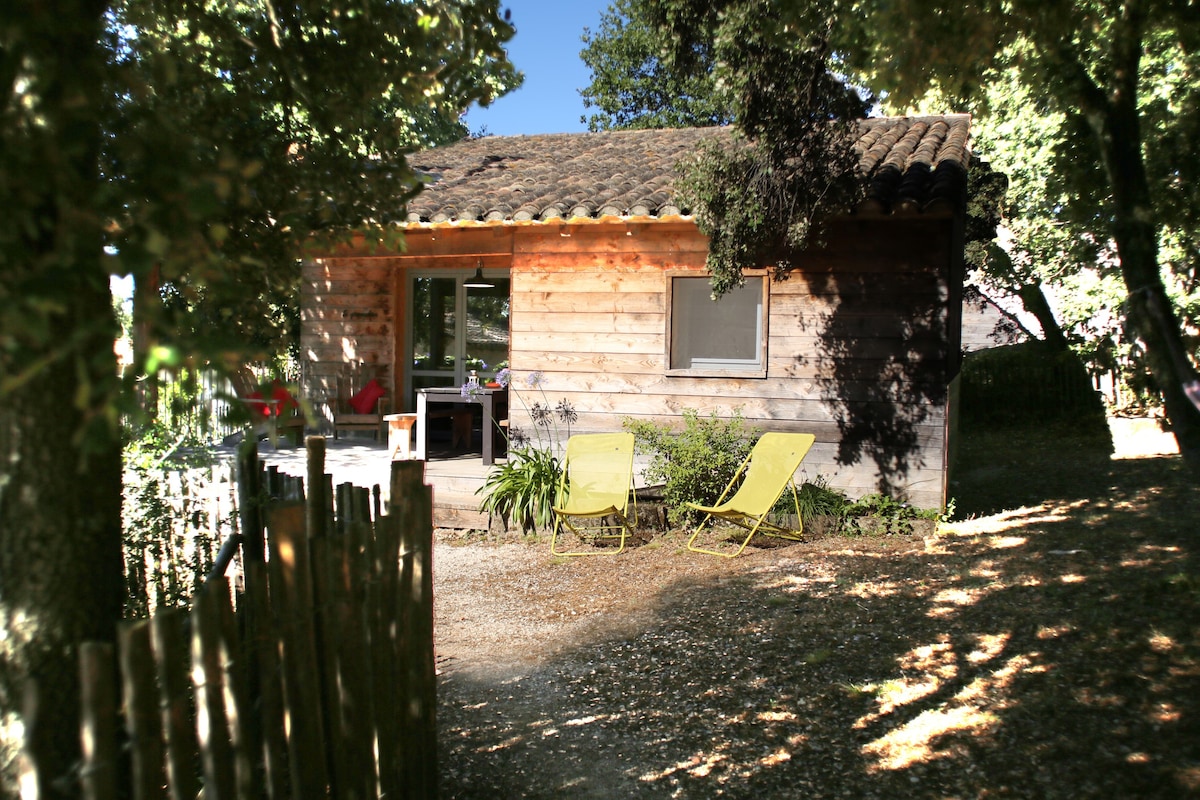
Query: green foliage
point(872, 514)
point(632, 86)
point(169, 535)
point(696, 462)
point(761, 204)
point(816, 499)
point(1030, 383)
point(882, 515)
point(522, 490)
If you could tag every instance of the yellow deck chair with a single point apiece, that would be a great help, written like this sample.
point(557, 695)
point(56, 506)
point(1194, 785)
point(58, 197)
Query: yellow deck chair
point(597, 481)
point(768, 470)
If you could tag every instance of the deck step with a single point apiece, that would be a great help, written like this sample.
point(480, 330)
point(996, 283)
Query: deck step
point(457, 510)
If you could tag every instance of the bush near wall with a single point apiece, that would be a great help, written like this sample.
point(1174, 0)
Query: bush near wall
point(1030, 383)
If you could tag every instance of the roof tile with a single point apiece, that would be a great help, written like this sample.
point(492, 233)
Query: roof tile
point(911, 164)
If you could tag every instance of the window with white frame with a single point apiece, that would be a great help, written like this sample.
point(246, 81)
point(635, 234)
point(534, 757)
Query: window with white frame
point(721, 337)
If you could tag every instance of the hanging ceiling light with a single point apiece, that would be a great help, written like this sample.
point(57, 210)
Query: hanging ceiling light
point(477, 281)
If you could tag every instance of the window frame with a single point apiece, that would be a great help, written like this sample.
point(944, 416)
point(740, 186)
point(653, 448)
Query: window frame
point(759, 371)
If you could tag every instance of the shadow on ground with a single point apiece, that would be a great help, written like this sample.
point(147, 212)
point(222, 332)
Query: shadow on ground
point(1049, 651)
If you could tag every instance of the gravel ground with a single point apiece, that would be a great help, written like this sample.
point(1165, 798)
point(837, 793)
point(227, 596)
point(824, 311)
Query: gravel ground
point(1049, 651)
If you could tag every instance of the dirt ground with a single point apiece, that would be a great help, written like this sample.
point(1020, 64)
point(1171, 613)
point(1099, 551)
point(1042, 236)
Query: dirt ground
point(1047, 645)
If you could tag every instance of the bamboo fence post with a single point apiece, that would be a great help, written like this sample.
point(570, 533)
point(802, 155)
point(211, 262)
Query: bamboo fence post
point(411, 506)
point(216, 745)
point(386, 670)
point(345, 510)
point(142, 719)
point(250, 502)
point(98, 689)
point(326, 637)
point(171, 657)
point(246, 738)
point(353, 664)
point(316, 517)
point(291, 594)
point(265, 645)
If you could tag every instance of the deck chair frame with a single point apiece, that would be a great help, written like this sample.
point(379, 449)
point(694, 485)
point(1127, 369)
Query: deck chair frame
point(607, 458)
point(757, 493)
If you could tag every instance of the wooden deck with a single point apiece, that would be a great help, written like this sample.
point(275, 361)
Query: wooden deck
point(365, 462)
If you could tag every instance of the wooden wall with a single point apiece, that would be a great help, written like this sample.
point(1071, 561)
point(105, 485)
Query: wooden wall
point(861, 350)
point(347, 321)
point(857, 352)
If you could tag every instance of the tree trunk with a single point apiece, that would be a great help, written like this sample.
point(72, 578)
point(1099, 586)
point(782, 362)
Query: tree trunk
point(60, 475)
point(1114, 122)
point(1034, 301)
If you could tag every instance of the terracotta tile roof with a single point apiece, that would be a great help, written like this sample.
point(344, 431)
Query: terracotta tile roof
point(912, 164)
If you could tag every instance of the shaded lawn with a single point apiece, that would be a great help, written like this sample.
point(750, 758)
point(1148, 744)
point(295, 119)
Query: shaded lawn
point(1051, 650)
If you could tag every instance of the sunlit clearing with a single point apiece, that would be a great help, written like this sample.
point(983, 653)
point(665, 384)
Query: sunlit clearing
point(1054, 631)
point(776, 758)
point(792, 584)
point(509, 742)
point(1072, 577)
point(969, 712)
point(936, 658)
point(776, 716)
point(1164, 713)
point(871, 589)
point(913, 743)
point(1161, 642)
point(988, 646)
point(1005, 542)
point(898, 693)
point(698, 766)
point(1005, 521)
point(581, 721)
point(948, 601)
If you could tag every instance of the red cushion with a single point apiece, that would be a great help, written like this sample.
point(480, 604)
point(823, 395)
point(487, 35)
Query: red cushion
point(257, 404)
point(284, 402)
point(364, 401)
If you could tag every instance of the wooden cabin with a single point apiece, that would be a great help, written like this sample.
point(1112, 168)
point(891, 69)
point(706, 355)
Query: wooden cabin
point(598, 284)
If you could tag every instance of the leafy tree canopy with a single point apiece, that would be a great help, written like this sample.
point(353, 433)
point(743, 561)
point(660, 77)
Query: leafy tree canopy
point(631, 85)
point(196, 146)
point(242, 133)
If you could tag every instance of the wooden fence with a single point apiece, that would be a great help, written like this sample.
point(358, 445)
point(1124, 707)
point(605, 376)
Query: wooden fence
point(310, 677)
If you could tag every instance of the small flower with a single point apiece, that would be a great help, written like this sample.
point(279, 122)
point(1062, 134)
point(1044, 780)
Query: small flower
point(503, 376)
point(469, 391)
point(535, 379)
point(566, 412)
point(540, 414)
point(517, 437)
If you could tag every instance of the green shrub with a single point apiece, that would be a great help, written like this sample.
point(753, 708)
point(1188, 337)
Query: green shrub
point(694, 463)
point(522, 490)
point(1028, 382)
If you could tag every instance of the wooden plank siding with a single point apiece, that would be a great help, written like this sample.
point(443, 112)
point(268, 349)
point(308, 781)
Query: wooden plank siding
point(860, 349)
point(589, 311)
point(347, 317)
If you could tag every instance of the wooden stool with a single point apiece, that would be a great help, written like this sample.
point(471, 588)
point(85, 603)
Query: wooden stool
point(400, 434)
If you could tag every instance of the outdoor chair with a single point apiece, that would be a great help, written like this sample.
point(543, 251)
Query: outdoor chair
point(361, 404)
point(596, 482)
point(767, 471)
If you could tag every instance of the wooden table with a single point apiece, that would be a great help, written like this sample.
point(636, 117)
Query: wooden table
point(490, 399)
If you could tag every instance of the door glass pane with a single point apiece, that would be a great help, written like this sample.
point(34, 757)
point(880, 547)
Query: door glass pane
point(487, 328)
point(434, 343)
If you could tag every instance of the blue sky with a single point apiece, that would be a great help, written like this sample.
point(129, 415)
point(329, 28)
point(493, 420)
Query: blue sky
point(546, 48)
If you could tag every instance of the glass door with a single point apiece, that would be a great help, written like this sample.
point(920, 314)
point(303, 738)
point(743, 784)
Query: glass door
point(454, 329)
